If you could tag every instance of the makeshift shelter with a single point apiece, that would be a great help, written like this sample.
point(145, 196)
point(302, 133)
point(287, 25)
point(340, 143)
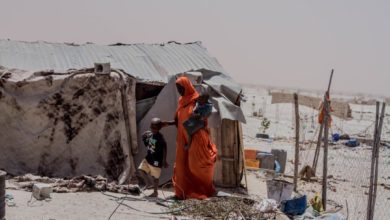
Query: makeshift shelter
point(60, 117)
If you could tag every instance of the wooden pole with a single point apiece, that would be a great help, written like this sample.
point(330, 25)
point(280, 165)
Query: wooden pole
point(243, 156)
point(296, 142)
point(330, 80)
point(378, 141)
point(369, 207)
point(326, 131)
point(317, 151)
point(325, 167)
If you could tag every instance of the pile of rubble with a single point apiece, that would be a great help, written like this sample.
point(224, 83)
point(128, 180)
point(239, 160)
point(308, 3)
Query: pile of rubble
point(224, 208)
point(76, 184)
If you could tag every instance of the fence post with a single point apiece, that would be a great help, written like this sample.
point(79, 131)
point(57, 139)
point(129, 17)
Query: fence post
point(296, 142)
point(369, 207)
point(317, 151)
point(326, 134)
point(377, 143)
point(325, 168)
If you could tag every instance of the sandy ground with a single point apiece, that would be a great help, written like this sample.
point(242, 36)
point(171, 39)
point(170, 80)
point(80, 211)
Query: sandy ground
point(83, 205)
point(95, 205)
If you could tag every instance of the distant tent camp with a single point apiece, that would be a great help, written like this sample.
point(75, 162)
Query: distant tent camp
point(62, 117)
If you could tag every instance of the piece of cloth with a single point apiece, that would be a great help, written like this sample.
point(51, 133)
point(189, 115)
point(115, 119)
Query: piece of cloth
point(149, 169)
point(322, 110)
point(194, 124)
point(203, 109)
point(194, 168)
point(155, 143)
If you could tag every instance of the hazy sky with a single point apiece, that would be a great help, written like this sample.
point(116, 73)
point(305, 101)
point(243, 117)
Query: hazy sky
point(279, 43)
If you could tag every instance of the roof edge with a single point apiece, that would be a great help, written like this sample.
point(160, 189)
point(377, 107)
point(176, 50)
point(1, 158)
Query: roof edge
point(114, 44)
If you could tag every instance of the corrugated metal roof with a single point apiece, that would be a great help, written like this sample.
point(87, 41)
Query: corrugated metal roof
point(148, 62)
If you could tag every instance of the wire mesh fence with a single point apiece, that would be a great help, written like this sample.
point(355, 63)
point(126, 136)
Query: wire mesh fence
point(382, 204)
point(348, 177)
point(348, 167)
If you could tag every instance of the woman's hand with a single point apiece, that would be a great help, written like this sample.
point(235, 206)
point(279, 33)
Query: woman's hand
point(168, 123)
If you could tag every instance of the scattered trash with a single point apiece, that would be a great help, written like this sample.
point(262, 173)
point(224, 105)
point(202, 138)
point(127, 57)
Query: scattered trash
point(386, 186)
point(344, 137)
point(223, 194)
point(316, 203)
point(263, 136)
point(134, 189)
point(279, 190)
point(310, 213)
point(221, 208)
point(41, 191)
point(335, 137)
point(267, 205)
point(9, 200)
point(352, 143)
point(77, 184)
point(307, 173)
point(295, 206)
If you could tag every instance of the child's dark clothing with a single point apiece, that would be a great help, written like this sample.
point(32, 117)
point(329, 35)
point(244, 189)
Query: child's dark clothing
point(156, 145)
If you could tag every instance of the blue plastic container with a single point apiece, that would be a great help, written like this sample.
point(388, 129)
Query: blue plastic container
point(352, 143)
point(335, 137)
point(296, 206)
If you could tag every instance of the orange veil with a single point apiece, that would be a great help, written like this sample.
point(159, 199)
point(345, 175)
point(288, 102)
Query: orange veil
point(194, 168)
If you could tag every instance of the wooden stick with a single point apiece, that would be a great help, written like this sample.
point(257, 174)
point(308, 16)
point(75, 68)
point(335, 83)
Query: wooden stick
point(326, 134)
point(317, 152)
point(369, 207)
point(379, 133)
point(243, 157)
point(330, 80)
point(325, 167)
point(296, 142)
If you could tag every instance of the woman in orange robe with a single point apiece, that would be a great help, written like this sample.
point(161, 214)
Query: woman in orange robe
point(194, 168)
